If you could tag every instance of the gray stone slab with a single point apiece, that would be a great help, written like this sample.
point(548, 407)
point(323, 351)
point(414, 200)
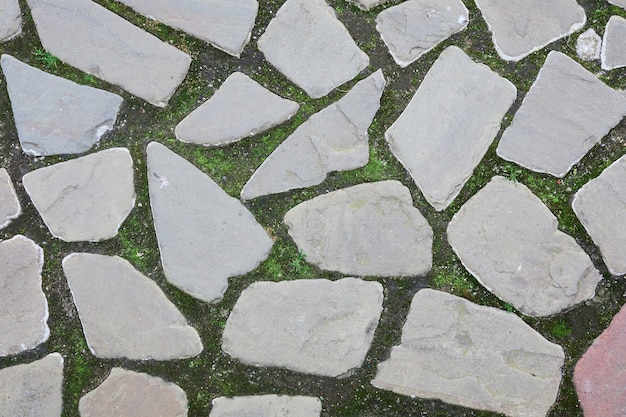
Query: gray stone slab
point(240, 108)
point(509, 240)
point(449, 124)
point(205, 236)
point(565, 113)
point(333, 139)
point(266, 406)
point(10, 19)
point(368, 4)
point(10, 207)
point(621, 3)
point(86, 198)
point(306, 42)
point(312, 326)
point(54, 115)
point(473, 356)
point(588, 45)
point(414, 27)
point(97, 41)
point(614, 44)
point(367, 229)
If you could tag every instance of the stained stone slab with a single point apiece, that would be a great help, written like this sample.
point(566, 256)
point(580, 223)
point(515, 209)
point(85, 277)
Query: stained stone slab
point(449, 124)
point(205, 236)
point(588, 45)
point(333, 139)
point(54, 115)
point(86, 198)
point(474, 356)
point(367, 229)
point(240, 108)
point(368, 4)
point(306, 42)
point(509, 240)
point(565, 113)
point(312, 326)
point(266, 406)
point(10, 207)
point(10, 19)
point(99, 42)
point(414, 27)
point(614, 44)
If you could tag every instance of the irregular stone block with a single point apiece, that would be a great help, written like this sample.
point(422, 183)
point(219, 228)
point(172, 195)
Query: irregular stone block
point(312, 326)
point(368, 229)
point(10, 19)
point(588, 45)
point(509, 240)
point(368, 4)
point(614, 44)
point(266, 406)
point(474, 356)
point(10, 207)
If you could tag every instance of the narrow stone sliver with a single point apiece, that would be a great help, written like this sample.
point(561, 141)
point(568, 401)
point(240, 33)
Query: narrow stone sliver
point(10, 19)
point(266, 406)
point(614, 44)
point(10, 207)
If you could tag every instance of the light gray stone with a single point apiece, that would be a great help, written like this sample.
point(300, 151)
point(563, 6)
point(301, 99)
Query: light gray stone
point(588, 45)
point(205, 236)
point(240, 108)
point(10, 19)
point(565, 113)
point(333, 139)
point(54, 115)
point(10, 207)
point(414, 27)
point(306, 42)
point(509, 240)
point(473, 356)
point(312, 326)
point(621, 3)
point(367, 229)
point(266, 406)
point(614, 44)
point(97, 41)
point(86, 198)
point(368, 4)
point(449, 124)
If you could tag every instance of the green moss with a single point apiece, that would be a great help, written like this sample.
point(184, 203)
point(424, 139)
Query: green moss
point(560, 329)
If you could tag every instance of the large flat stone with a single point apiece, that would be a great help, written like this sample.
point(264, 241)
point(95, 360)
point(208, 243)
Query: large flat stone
point(565, 113)
point(474, 356)
point(266, 406)
point(10, 207)
point(10, 19)
point(54, 115)
point(99, 42)
point(614, 44)
point(368, 229)
point(312, 326)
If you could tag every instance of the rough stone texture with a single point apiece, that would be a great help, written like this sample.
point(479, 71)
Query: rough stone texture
point(54, 115)
point(313, 326)
point(86, 198)
point(99, 42)
point(565, 113)
point(204, 235)
point(414, 27)
point(23, 305)
point(449, 124)
point(621, 3)
point(520, 27)
point(34, 389)
point(588, 45)
point(308, 44)
point(474, 356)
point(125, 314)
point(614, 44)
point(508, 239)
point(10, 207)
point(133, 394)
point(333, 139)
point(10, 19)
point(240, 108)
point(266, 406)
point(368, 4)
point(368, 229)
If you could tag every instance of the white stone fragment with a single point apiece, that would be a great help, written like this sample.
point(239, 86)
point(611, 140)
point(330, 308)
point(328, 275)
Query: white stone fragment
point(588, 45)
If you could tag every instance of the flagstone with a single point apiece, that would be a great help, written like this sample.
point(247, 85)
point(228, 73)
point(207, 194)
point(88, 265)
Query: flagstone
point(614, 44)
point(10, 19)
point(266, 406)
point(10, 207)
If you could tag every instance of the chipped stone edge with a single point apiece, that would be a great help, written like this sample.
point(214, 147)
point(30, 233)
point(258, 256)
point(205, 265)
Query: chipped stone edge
point(19, 206)
point(604, 42)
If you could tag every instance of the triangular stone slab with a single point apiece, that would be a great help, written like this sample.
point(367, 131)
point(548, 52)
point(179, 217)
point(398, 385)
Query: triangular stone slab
point(614, 44)
point(266, 406)
point(10, 207)
point(10, 19)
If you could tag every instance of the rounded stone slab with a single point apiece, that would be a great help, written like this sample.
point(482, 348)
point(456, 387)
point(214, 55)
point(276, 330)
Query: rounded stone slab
point(10, 207)
point(621, 3)
point(449, 124)
point(367, 229)
point(309, 45)
point(565, 113)
point(588, 45)
point(54, 115)
point(240, 108)
point(266, 406)
point(614, 44)
point(509, 240)
point(474, 356)
point(97, 41)
point(86, 198)
point(10, 19)
point(312, 326)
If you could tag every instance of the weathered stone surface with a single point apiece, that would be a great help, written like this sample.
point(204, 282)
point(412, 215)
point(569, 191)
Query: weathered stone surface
point(240, 108)
point(614, 44)
point(588, 45)
point(520, 27)
point(368, 229)
point(565, 113)
point(414, 27)
point(125, 314)
point(449, 124)
point(333, 139)
point(368, 4)
point(474, 356)
point(204, 235)
point(10, 19)
point(621, 3)
point(99, 42)
point(23, 305)
point(132, 394)
point(10, 207)
point(266, 406)
point(508, 239)
point(54, 115)
point(86, 198)
point(308, 44)
point(313, 326)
